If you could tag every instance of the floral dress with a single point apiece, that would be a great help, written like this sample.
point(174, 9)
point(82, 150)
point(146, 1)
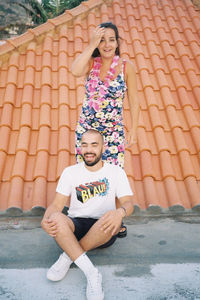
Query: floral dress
point(102, 110)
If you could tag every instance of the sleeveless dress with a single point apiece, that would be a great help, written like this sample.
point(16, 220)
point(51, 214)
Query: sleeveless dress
point(102, 110)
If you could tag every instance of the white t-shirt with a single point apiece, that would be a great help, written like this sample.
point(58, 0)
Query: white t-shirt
point(93, 193)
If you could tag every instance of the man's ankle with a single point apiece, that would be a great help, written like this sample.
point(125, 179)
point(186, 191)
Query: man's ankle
point(85, 264)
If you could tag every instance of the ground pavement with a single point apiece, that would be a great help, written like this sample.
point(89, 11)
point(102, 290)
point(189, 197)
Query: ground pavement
point(158, 260)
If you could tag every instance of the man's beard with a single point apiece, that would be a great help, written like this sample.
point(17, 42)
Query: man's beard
point(92, 163)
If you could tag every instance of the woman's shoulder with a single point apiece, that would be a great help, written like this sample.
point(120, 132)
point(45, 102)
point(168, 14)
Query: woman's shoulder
point(128, 62)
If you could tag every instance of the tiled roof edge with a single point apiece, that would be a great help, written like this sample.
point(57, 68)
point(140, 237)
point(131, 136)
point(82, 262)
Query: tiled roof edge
point(151, 211)
point(20, 43)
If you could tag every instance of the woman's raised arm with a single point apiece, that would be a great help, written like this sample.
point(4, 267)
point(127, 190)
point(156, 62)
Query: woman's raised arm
point(83, 62)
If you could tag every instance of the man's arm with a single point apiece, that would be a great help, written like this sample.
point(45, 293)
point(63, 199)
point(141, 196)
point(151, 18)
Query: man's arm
point(57, 205)
point(126, 205)
point(112, 220)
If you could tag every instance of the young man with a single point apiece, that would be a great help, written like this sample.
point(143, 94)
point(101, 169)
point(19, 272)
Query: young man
point(89, 190)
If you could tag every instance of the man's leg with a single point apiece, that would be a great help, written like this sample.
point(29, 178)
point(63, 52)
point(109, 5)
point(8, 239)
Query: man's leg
point(68, 242)
point(76, 251)
point(95, 238)
point(65, 236)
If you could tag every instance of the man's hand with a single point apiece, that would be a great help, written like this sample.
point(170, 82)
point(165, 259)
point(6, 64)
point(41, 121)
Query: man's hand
point(50, 226)
point(112, 221)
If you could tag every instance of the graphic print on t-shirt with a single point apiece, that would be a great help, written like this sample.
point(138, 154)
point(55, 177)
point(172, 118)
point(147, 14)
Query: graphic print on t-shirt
point(87, 191)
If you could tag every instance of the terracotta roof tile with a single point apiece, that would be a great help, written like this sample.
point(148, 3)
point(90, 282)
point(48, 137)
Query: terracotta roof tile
point(191, 117)
point(13, 142)
point(192, 187)
point(173, 192)
point(41, 165)
point(52, 165)
point(45, 115)
point(64, 118)
point(23, 139)
point(33, 143)
point(6, 116)
point(195, 133)
point(39, 193)
point(19, 166)
point(8, 163)
point(43, 139)
point(186, 164)
point(150, 189)
point(35, 119)
point(40, 102)
point(5, 136)
point(15, 195)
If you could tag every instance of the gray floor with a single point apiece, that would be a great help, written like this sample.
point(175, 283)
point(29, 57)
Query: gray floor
point(159, 259)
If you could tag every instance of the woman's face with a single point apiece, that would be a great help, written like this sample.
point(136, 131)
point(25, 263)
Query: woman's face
point(108, 43)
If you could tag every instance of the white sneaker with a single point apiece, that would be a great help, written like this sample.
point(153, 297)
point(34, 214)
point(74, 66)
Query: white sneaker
point(60, 268)
point(94, 287)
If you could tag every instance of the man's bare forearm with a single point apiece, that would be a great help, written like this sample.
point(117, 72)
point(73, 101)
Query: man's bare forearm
point(56, 206)
point(126, 208)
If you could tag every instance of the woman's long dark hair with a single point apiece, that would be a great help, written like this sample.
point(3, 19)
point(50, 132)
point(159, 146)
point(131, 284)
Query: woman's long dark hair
point(114, 27)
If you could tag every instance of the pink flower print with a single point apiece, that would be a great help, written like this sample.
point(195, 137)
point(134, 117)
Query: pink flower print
point(115, 161)
point(106, 83)
point(102, 91)
point(121, 148)
point(113, 102)
point(106, 143)
point(87, 126)
point(91, 89)
point(93, 104)
point(115, 135)
point(95, 73)
point(109, 159)
point(114, 112)
point(112, 71)
point(98, 59)
point(92, 85)
point(78, 151)
point(82, 120)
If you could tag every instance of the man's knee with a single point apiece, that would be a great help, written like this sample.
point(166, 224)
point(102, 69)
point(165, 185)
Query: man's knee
point(56, 216)
point(62, 220)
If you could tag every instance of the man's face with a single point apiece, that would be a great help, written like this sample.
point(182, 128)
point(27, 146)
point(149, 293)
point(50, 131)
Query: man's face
point(91, 148)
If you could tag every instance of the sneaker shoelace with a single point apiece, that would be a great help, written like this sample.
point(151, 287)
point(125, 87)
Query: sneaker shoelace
point(94, 284)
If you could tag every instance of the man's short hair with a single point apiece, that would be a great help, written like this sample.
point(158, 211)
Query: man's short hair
point(95, 132)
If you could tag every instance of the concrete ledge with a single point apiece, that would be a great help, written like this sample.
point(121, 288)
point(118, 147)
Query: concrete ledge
point(152, 210)
point(150, 240)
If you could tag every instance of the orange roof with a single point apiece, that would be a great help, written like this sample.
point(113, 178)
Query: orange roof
point(40, 102)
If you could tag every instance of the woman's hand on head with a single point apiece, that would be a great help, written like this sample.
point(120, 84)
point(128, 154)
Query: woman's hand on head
point(97, 36)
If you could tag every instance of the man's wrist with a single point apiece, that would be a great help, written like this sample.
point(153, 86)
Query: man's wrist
point(122, 210)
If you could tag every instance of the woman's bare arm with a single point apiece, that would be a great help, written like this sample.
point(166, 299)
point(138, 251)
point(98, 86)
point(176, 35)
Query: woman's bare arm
point(83, 62)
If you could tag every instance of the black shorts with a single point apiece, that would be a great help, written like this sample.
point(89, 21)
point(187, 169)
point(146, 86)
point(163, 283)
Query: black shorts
point(83, 225)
